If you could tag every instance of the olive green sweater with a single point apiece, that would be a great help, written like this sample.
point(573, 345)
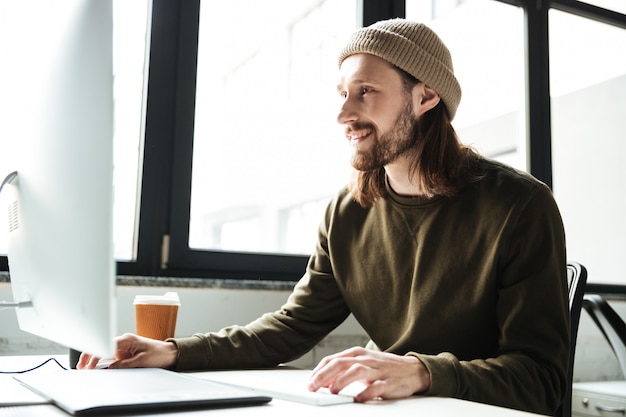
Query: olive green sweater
point(474, 286)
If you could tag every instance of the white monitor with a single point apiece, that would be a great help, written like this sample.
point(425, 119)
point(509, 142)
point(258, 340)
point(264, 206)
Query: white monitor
point(60, 206)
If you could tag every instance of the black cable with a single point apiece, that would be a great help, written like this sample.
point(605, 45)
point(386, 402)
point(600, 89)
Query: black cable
point(32, 369)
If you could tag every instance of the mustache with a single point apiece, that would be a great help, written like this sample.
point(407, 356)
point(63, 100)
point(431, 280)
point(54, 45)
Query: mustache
point(358, 126)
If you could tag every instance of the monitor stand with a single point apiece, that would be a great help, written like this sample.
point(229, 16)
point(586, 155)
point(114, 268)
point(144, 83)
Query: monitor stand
point(74, 357)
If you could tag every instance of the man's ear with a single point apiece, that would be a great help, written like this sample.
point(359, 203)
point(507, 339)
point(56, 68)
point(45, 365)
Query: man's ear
point(424, 98)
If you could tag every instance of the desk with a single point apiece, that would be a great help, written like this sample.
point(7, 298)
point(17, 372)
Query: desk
point(416, 405)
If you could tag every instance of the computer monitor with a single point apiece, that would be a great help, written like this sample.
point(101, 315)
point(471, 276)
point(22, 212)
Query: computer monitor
point(60, 205)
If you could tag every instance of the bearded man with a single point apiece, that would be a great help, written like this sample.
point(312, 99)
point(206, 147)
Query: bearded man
point(453, 264)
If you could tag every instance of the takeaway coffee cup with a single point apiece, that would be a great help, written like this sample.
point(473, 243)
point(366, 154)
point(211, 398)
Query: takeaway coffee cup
point(155, 315)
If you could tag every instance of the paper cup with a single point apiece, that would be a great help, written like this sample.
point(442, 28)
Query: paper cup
point(155, 315)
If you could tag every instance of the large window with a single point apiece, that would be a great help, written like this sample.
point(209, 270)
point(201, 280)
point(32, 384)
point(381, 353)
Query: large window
point(588, 86)
point(486, 40)
point(130, 21)
point(242, 151)
point(268, 153)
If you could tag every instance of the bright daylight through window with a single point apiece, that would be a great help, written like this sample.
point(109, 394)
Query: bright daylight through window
point(268, 153)
point(490, 69)
point(587, 84)
point(130, 29)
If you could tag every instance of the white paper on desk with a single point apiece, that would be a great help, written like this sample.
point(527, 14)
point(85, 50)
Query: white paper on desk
point(12, 393)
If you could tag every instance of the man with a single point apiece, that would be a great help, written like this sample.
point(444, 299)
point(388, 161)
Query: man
point(453, 264)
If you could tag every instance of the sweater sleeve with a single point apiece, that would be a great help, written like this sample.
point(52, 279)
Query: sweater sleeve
point(314, 309)
point(533, 321)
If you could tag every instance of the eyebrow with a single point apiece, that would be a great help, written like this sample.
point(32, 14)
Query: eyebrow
point(359, 81)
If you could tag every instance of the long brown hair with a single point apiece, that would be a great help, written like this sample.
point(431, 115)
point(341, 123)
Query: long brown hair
point(441, 164)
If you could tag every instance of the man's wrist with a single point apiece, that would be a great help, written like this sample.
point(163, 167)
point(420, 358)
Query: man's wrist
point(422, 375)
point(171, 354)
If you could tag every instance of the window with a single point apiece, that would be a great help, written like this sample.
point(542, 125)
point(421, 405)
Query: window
point(242, 151)
point(268, 154)
point(130, 35)
point(487, 46)
point(587, 82)
point(129, 52)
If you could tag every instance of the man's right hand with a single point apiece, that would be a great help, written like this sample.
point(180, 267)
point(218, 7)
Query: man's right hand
point(134, 351)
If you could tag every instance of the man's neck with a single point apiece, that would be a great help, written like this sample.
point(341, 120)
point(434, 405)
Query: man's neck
point(400, 180)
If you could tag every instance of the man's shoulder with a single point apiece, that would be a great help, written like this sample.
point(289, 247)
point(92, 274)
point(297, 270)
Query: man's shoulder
point(505, 187)
point(500, 176)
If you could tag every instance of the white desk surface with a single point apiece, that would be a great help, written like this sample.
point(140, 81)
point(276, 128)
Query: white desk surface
point(414, 406)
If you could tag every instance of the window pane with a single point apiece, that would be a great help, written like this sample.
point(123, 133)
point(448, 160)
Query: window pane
point(268, 153)
point(588, 81)
point(129, 50)
point(130, 36)
point(486, 41)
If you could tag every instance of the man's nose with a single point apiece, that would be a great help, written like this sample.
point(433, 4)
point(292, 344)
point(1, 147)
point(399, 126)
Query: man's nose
point(347, 112)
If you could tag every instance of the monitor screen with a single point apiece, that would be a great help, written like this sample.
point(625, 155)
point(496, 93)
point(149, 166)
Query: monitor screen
point(60, 205)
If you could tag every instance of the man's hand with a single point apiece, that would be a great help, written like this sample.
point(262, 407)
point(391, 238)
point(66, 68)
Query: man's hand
point(136, 352)
point(386, 375)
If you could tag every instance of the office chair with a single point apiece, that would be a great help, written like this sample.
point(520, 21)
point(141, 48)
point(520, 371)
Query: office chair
point(611, 325)
point(576, 279)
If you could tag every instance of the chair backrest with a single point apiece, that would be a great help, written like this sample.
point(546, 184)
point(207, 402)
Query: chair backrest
point(577, 279)
point(611, 325)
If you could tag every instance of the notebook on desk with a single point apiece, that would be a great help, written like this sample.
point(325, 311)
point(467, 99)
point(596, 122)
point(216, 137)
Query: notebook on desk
point(114, 390)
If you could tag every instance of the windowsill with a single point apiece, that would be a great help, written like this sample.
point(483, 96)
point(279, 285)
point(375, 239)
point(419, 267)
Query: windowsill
point(205, 283)
point(141, 281)
point(610, 292)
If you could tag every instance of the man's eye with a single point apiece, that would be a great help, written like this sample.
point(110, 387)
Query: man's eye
point(365, 90)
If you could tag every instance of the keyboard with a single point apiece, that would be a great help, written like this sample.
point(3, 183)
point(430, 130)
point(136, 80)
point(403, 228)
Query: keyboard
point(283, 383)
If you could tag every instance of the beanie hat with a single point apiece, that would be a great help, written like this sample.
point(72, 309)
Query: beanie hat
point(414, 48)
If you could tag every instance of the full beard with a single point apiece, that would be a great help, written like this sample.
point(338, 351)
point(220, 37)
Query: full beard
point(390, 146)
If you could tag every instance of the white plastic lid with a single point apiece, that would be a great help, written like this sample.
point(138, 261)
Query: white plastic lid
point(170, 298)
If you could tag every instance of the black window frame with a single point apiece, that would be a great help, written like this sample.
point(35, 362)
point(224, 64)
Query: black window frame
point(162, 243)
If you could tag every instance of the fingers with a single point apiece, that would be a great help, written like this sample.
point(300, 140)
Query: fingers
point(87, 361)
point(139, 352)
point(385, 375)
point(339, 366)
point(134, 351)
point(351, 352)
point(376, 390)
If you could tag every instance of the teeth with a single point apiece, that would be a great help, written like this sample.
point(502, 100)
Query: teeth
point(357, 135)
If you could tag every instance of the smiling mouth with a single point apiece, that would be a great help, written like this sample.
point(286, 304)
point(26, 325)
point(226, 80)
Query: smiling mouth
point(358, 135)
